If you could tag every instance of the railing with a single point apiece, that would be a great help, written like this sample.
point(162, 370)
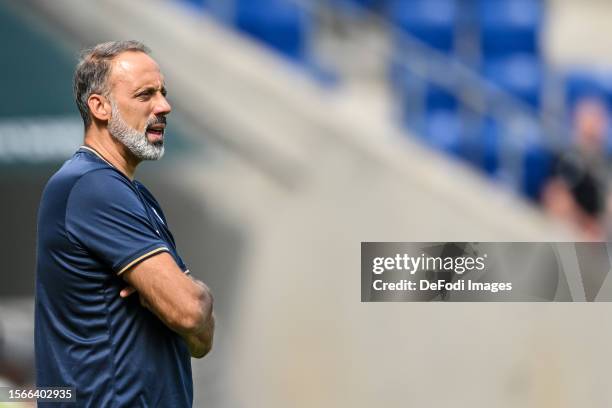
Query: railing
point(522, 129)
point(480, 101)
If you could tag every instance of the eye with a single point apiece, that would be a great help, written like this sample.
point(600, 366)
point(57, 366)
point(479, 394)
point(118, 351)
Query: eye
point(144, 95)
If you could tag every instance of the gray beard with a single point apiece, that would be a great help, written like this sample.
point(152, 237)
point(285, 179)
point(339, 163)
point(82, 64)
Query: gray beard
point(135, 141)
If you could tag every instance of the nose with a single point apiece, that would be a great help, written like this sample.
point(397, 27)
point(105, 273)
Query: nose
point(162, 106)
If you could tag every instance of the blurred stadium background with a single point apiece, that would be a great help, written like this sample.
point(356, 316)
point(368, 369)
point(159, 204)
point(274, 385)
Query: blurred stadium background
point(301, 128)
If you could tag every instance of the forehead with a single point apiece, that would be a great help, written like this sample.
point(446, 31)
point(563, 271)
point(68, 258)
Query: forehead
point(133, 69)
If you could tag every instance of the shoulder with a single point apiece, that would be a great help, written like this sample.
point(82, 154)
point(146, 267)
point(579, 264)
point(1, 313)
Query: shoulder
point(103, 180)
point(102, 189)
point(78, 168)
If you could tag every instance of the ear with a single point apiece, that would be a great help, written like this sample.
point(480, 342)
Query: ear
point(99, 106)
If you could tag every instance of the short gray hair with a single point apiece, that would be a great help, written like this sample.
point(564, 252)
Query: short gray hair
point(93, 70)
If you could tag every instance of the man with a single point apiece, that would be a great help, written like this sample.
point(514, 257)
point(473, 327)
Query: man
point(576, 192)
point(101, 237)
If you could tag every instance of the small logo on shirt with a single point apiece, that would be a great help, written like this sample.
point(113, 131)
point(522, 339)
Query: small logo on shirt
point(160, 218)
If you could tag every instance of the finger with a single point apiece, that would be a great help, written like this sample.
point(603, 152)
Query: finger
point(125, 292)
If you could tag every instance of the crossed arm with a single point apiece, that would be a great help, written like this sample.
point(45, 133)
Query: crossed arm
point(184, 304)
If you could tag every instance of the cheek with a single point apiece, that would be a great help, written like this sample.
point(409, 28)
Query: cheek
point(136, 116)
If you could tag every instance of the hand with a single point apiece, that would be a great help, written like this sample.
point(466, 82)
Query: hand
point(128, 290)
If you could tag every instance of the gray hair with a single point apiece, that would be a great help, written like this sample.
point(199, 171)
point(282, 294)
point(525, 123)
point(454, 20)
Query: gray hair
point(93, 70)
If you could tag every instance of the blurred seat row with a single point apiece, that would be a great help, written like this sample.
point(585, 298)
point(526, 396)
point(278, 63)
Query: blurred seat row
point(497, 39)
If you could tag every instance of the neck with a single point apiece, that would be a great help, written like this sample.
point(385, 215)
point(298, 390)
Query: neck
point(111, 150)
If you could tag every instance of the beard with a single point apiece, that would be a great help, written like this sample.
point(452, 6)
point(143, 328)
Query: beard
point(135, 141)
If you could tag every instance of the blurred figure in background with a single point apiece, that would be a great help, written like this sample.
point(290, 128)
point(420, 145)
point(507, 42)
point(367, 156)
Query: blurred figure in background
point(11, 375)
point(577, 190)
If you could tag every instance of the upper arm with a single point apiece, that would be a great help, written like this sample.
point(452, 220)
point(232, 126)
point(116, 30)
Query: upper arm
point(179, 301)
point(105, 217)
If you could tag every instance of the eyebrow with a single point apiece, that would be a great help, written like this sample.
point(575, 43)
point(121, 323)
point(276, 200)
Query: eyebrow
point(150, 89)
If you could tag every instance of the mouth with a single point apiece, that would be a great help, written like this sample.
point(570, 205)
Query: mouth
point(156, 132)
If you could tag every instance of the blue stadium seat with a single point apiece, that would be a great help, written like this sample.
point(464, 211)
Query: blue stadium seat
point(431, 21)
point(537, 168)
point(438, 98)
point(510, 26)
point(524, 141)
point(353, 7)
point(523, 145)
point(608, 143)
point(445, 131)
point(197, 3)
point(485, 146)
point(281, 24)
point(583, 83)
point(407, 86)
point(416, 98)
point(519, 74)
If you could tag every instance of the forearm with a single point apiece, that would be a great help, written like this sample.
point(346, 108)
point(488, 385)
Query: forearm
point(199, 341)
point(198, 338)
point(182, 303)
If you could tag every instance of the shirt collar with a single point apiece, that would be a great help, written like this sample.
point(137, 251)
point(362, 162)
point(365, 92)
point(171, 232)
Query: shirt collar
point(97, 154)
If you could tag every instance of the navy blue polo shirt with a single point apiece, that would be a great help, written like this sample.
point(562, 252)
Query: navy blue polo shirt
point(94, 223)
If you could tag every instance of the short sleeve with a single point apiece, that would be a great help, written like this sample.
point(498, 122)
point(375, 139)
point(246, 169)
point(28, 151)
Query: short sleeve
point(106, 217)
